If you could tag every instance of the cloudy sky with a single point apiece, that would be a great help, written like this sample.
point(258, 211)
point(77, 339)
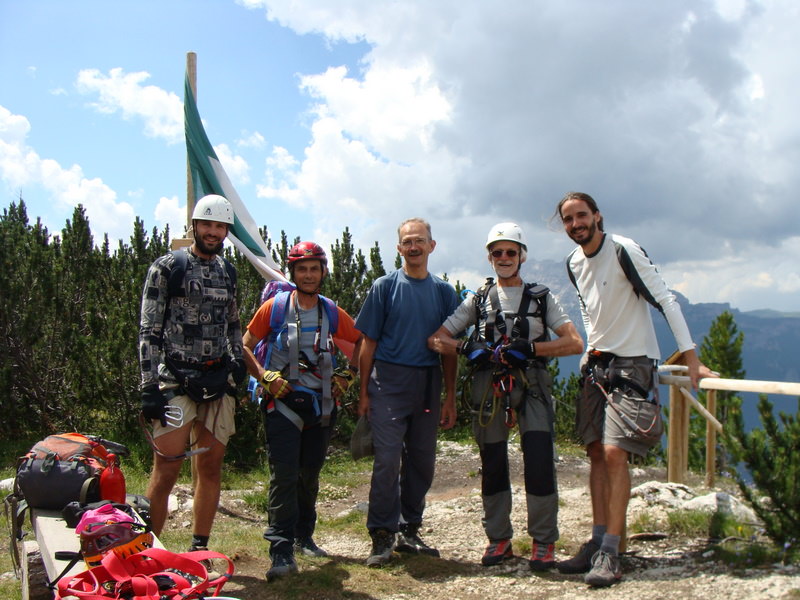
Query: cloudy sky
point(680, 117)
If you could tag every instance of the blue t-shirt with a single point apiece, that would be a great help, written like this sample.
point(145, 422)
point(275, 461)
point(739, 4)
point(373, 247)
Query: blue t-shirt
point(401, 312)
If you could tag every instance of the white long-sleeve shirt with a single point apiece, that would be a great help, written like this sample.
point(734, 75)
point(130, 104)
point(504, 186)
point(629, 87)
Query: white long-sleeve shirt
point(616, 318)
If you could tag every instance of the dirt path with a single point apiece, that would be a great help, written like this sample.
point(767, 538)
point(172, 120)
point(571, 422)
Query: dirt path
point(670, 568)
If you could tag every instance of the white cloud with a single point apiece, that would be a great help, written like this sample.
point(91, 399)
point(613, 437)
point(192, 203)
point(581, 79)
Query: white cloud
point(251, 140)
point(468, 115)
point(21, 166)
point(161, 111)
point(169, 211)
point(235, 165)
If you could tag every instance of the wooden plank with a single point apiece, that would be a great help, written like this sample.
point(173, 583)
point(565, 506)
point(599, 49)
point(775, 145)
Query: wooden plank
point(751, 385)
point(53, 535)
point(787, 388)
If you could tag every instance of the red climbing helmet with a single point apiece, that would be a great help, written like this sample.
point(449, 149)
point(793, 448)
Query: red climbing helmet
point(307, 251)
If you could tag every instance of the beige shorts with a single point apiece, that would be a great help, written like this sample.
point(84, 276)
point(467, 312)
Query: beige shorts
point(215, 416)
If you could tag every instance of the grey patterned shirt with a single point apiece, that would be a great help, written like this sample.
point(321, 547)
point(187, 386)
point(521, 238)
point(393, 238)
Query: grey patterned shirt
point(203, 325)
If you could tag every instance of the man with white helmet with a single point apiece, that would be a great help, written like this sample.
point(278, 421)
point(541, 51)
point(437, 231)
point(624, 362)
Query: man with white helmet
point(508, 352)
point(190, 353)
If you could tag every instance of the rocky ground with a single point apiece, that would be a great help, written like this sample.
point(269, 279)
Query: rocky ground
point(655, 567)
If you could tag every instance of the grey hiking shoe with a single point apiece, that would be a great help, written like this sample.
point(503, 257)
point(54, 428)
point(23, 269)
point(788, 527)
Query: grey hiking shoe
point(581, 562)
point(282, 564)
point(308, 547)
point(408, 540)
point(383, 542)
point(605, 571)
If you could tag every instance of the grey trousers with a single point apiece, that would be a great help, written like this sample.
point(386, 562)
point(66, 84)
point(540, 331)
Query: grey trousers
point(534, 411)
point(404, 414)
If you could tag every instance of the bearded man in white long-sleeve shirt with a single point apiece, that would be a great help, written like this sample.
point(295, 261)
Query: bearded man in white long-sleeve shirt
point(616, 415)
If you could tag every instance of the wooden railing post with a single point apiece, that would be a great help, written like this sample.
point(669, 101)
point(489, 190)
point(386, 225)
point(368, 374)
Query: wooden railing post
point(711, 439)
point(678, 438)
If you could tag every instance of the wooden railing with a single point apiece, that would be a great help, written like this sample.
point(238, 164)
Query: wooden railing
point(680, 401)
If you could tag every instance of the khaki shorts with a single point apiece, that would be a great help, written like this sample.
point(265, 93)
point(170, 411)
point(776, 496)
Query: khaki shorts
point(641, 427)
point(216, 416)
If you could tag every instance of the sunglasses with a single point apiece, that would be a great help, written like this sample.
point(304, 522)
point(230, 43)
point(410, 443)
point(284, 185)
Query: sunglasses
point(508, 253)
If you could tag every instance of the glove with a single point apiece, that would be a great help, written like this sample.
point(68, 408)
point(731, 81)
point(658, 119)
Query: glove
point(238, 370)
point(344, 379)
point(154, 404)
point(476, 352)
point(517, 353)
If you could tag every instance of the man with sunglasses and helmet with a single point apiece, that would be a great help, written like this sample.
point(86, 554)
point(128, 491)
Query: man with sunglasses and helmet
point(301, 388)
point(190, 353)
point(508, 352)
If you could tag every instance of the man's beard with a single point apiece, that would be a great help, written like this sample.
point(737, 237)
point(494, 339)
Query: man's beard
point(205, 249)
point(589, 235)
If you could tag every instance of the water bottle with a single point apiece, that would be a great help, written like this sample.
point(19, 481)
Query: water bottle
point(112, 481)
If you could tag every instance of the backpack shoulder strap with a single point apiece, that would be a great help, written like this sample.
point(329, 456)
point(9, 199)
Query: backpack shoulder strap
point(481, 313)
point(639, 288)
point(278, 316)
point(175, 281)
point(231, 276)
point(332, 313)
point(538, 293)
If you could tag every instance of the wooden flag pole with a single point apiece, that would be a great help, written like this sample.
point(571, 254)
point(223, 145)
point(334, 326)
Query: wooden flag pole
point(191, 71)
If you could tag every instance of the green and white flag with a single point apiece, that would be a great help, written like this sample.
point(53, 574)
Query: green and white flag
point(208, 177)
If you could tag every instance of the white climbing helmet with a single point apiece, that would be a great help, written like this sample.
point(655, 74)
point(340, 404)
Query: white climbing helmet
point(510, 232)
point(213, 208)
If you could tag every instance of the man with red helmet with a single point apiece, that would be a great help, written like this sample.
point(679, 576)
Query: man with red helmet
point(300, 387)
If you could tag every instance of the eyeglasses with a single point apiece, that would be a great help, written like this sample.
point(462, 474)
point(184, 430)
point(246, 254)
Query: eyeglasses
point(508, 253)
point(406, 243)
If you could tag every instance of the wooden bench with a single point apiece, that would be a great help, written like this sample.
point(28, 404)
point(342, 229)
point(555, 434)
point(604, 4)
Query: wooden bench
point(39, 562)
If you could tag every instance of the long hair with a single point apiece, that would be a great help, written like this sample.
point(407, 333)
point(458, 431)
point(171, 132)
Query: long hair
point(590, 202)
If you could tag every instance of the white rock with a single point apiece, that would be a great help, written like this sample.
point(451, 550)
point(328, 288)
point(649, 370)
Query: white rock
point(663, 493)
point(7, 485)
point(172, 504)
point(724, 503)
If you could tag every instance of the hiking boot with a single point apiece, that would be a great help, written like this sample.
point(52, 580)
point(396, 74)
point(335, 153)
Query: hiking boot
point(408, 540)
point(383, 542)
point(581, 562)
point(282, 564)
point(605, 571)
point(497, 552)
point(543, 556)
point(307, 547)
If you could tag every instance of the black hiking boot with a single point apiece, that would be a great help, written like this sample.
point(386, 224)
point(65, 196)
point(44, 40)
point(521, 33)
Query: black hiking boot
point(408, 540)
point(383, 542)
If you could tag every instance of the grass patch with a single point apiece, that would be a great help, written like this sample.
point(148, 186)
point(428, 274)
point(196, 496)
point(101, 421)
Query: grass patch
point(698, 523)
point(644, 522)
point(9, 586)
point(352, 522)
point(691, 523)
